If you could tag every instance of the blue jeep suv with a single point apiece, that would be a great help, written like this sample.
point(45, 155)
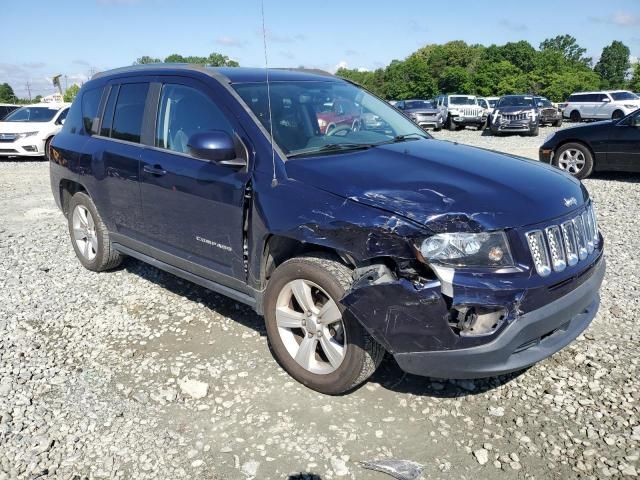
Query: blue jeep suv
point(369, 238)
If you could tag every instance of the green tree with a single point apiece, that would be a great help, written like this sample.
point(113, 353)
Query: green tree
point(634, 83)
point(146, 59)
point(6, 93)
point(488, 75)
point(38, 99)
point(213, 60)
point(71, 92)
point(613, 65)
point(568, 47)
point(408, 79)
point(521, 54)
point(455, 80)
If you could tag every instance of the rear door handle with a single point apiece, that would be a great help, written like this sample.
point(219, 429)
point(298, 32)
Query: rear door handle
point(156, 170)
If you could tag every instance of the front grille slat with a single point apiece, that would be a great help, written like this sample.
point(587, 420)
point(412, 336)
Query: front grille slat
point(515, 116)
point(564, 245)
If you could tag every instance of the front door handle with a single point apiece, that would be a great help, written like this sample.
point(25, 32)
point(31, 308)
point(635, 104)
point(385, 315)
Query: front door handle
point(156, 170)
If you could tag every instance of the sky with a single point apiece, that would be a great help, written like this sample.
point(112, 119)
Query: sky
point(42, 38)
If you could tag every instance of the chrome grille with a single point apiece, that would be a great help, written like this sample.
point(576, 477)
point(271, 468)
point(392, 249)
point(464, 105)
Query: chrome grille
point(559, 246)
point(515, 116)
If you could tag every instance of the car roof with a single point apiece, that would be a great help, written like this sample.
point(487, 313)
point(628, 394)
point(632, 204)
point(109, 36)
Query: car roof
point(8, 105)
point(225, 74)
point(51, 105)
point(602, 91)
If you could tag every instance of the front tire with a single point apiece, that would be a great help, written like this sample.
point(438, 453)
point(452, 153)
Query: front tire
point(451, 125)
point(535, 131)
point(89, 235)
point(617, 115)
point(310, 336)
point(574, 158)
point(558, 123)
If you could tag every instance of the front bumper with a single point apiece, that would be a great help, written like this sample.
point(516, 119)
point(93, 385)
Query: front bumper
point(23, 147)
point(502, 125)
point(459, 120)
point(428, 121)
point(545, 154)
point(529, 339)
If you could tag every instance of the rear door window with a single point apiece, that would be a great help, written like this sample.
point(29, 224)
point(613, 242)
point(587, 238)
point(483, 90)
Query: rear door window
point(129, 110)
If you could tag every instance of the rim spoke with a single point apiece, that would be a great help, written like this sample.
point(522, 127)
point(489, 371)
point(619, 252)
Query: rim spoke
point(90, 222)
point(85, 248)
point(78, 234)
point(82, 215)
point(333, 350)
point(287, 318)
point(302, 291)
point(306, 355)
point(329, 313)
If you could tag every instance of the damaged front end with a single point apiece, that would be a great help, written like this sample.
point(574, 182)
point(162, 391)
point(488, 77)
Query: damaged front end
point(449, 322)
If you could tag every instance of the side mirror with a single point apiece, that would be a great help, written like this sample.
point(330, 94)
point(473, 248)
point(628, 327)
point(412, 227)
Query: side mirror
point(606, 100)
point(215, 146)
point(62, 121)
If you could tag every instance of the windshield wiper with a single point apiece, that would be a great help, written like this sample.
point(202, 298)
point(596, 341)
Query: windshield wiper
point(402, 138)
point(332, 147)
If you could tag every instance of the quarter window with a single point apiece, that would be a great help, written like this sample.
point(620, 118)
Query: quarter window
point(127, 118)
point(90, 104)
point(183, 112)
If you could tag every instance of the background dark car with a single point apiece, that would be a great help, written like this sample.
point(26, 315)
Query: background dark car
point(549, 114)
point(515, 114)
point(423, 112)
point(608, 145)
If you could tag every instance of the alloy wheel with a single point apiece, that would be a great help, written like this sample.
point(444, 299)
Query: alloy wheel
point(84, 232)
point(310, 326)
point(572, 160)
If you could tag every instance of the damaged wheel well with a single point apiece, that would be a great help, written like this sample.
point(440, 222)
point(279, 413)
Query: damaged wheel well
point(279, 249)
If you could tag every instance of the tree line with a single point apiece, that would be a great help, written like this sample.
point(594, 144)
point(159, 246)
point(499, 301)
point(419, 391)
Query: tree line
point(556, 69)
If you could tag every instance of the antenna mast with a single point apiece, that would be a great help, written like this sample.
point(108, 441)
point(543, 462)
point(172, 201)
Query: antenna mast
point(274, 180)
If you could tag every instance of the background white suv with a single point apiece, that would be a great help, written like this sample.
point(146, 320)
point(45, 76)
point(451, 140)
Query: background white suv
point(28, 130)
point(603, 105)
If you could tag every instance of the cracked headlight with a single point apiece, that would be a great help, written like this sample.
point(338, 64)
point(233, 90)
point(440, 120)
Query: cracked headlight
point(25, 134)
point(486, 249)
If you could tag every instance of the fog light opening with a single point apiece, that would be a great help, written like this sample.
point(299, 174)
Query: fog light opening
point(477, 320)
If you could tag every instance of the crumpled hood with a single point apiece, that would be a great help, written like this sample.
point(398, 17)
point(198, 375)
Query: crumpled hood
point(21, 127)
point(445, 186)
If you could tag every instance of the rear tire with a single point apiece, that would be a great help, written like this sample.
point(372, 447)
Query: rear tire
point(535, 132)
point(575, 159)
point(89, 235)
point(575, 116)
point(302, 350)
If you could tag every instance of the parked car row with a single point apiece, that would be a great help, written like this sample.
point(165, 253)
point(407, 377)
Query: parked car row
point(507, 114)
point(27, 131)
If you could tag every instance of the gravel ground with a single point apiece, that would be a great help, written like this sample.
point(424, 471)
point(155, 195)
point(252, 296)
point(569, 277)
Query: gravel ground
point(138, 374)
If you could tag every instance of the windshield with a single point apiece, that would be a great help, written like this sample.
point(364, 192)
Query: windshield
point(315, 117)
point(462, 101)
point(545, 103)
point(516, 101)
point(31, 114)
point(415, 104)
point(492, 103)
point(624, 96)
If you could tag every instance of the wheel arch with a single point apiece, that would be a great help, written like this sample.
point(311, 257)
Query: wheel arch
point(68, 188)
